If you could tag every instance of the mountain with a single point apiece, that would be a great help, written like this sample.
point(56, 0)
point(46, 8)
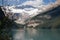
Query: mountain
point(53, 13)
point(47, 20)
point(1, 14)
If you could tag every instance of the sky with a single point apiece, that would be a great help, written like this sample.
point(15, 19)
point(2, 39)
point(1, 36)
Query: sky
point(19, 2)
point(48, 1)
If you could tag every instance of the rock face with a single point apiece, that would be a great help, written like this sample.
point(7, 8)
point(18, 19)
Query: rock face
point(1, 14)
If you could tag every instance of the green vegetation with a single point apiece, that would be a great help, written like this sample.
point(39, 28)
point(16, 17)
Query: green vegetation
point(56, 23)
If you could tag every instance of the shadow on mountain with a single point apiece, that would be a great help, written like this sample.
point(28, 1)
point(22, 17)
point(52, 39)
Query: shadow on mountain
point(53, 22)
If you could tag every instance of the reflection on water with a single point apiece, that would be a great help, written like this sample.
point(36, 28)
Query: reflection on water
point(36, 34)
point(19, 35)
point(30, 33)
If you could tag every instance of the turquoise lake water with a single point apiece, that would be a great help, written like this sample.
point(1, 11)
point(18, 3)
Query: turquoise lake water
point(36, 34)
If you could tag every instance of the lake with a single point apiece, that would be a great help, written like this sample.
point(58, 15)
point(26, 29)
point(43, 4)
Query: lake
point(35, 34)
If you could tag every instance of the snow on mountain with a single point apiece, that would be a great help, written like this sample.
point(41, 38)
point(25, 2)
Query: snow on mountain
point(30, 9)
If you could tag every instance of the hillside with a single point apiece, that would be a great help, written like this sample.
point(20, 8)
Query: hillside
point(49, 19)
